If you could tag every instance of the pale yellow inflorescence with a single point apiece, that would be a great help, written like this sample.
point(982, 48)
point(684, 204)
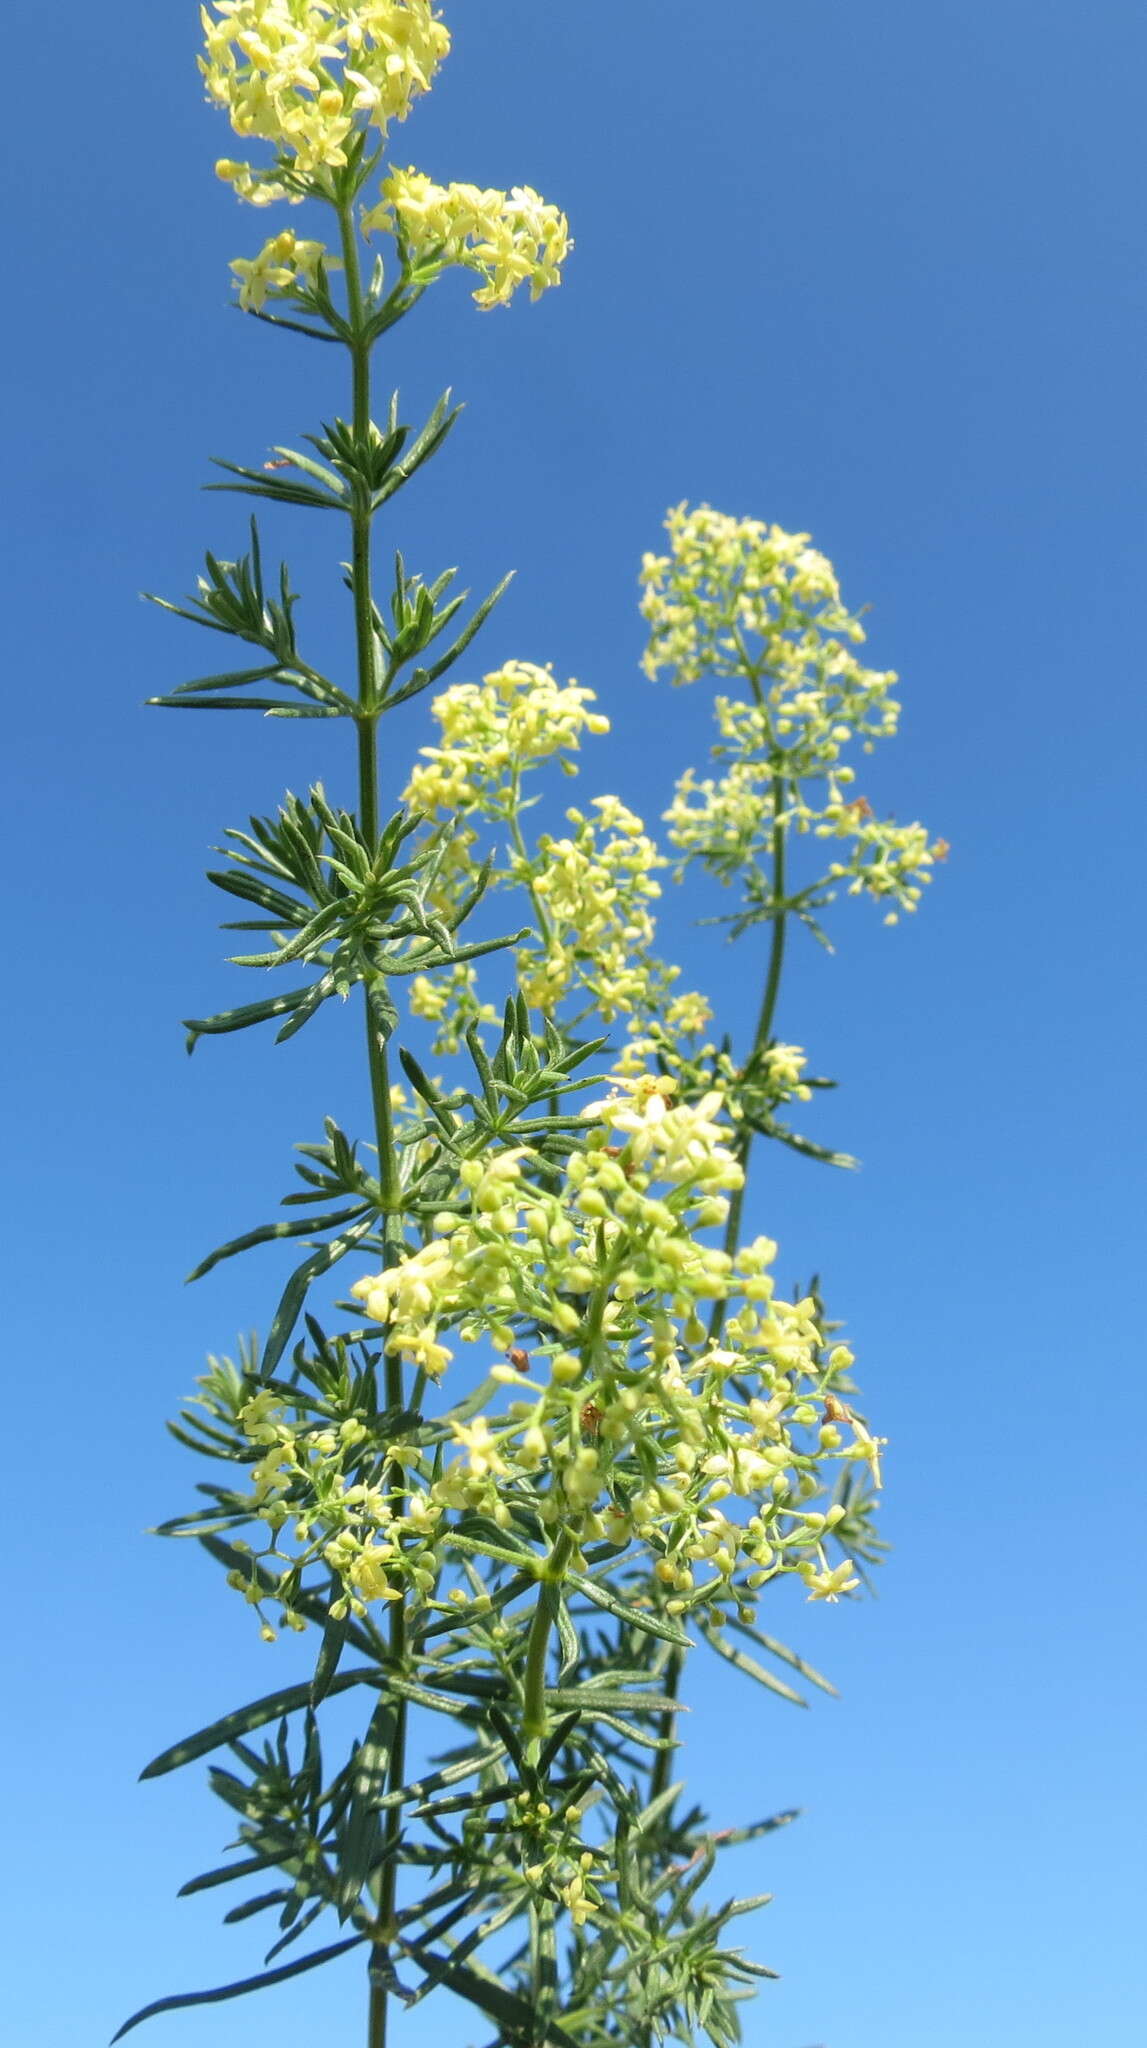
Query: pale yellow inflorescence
point(509, 238)
point(595, 886)
point(304, 76)
point(298, 73)
point(592, 888)
point(629, 1422)
point(612, 1266)
point(492, 732)
point(734, 597)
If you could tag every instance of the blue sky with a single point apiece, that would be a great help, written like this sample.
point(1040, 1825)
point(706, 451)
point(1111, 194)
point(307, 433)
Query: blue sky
point(871, 270)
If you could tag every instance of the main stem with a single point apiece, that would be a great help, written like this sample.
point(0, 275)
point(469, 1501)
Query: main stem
point(659, 1776)
point(534, 1704)
point(389, 1181)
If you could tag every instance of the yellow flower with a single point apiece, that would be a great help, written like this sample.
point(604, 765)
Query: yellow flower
point(508, 238)
point(296, 73)
point(282, 265)
point(829, 1584)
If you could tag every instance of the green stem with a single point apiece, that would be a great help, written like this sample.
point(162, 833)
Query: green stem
point(389, 1178)
point(777, 948)
point(545, 928)
point(518, 842)
point(764, 1030)
point(659, 1776)
point(534, 1704)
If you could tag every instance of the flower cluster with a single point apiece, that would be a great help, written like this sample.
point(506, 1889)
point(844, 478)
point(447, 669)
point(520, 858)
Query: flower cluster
point(726, 581)
point(593, 889)
point(508, 238)
point(782, 1067)
point(886, 860)
point(297, 74)
point(642, 1428)
point(348, 1513)
point(284, 265)
point(737, 598)
point(517, 717)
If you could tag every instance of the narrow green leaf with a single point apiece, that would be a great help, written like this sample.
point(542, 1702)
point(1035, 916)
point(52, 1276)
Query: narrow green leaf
point(251, 1866)
point(730, 1837)
point(273, 707)
point(330, 1650)
point(423, 678)
point(273, 1706)
point(306, 1226)
point(246, 1014)
point(333, 482)
point(295, 1292)
point(753, 1905)
point(249, 1907)
point(280, 491)
point(319, 993)
point(464, 1767)
point(589, 1699)
point(787, 1656)
point(360, 1836)
point(296, 1932)
point(342, 332)
point(557, 1740)
point(751, 1668)
point(648, 1620)
point(238, 1990)
point(228, 679)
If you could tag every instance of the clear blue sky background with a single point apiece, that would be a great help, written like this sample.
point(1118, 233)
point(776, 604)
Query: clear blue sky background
point(868, 268)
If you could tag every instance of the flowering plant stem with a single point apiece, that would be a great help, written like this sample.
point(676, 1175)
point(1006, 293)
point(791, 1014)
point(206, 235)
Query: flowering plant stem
point(511, 1561)
point(390, 1188)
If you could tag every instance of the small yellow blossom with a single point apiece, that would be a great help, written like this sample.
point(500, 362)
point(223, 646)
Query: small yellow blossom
point(283, 264)
point(829, 1584)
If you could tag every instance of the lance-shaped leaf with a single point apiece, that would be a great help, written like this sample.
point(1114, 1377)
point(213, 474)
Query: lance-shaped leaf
point(466, 1766)
point(727, 1838)
point(295, 1292)
point(273, 1706)
point(360, 1835)
point(238, 1990)
point(254, 483)
point(646, 1619)
point(588, 1700)
point(342, 331)
point(246, 1014)
point(750, 1667)
point(301, 1926)
point(420, 450)
point(424, 678)
point(330, 1651)
point(251, 1866)
point(787, 1656)
point(268, 1233)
